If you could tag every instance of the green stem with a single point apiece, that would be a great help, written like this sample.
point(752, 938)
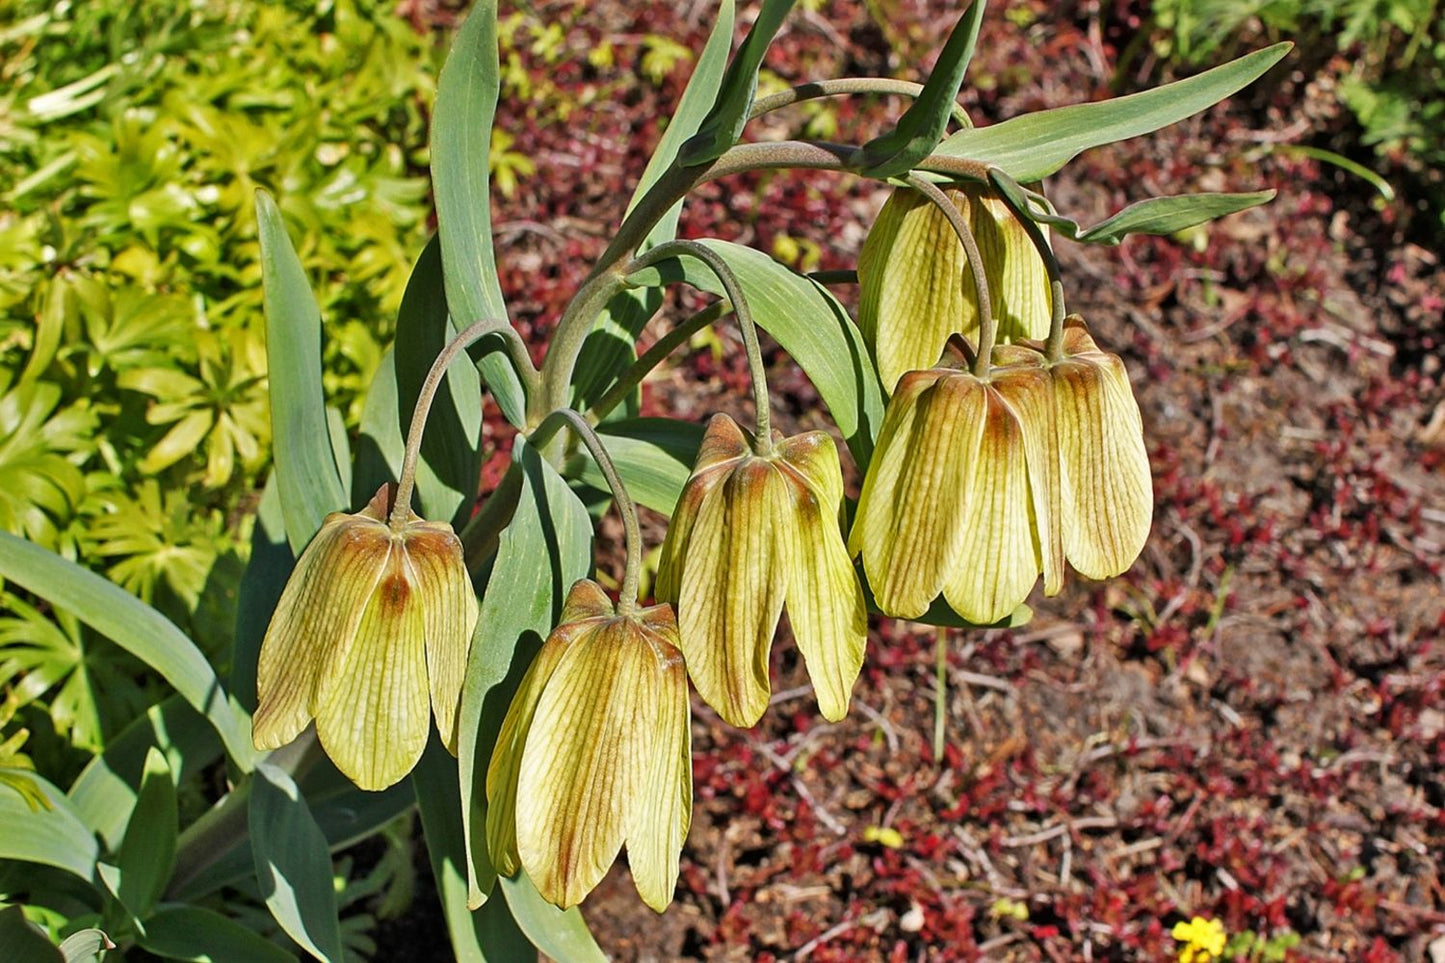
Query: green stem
point(940, 698)
point(479, 535)
point(653, 357)
point(1054, 347)
point(987, 326)
point(842, 87)
point(632, 574)
point(401, 509)
point(733, 290)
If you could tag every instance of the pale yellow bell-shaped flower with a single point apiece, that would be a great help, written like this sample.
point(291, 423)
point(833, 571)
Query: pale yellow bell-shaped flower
point(916, 287)
point(370, 639)
point(958, 496)
point(1107, 496)
point(595, 752)
point(750, 535)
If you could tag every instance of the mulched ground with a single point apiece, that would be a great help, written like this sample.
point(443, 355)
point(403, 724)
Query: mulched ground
point(1249, 725)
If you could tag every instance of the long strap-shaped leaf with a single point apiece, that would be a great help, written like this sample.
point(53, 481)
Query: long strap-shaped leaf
point(55, 836)
point(723, 125)
point(305, 463)
point(1036, 145)
point(1156, 215)
point(293, 866)
point(610, 346)
point(546, 547)
point(461, 180)
point(135, 627)
point(921, 127)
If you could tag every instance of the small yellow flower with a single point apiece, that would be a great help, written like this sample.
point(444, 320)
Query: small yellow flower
point(958, 495)
point(915, 287)
point(376, 614)
point(1203, 940)
point(750, 534)
point(595, 751)
point(1107, 495)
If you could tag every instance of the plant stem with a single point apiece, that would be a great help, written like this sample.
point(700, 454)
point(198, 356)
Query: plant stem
point(401, 509)
point(653, 357)
point(1054, 347)
point(632, 574)
point(733, 290)
point(987, 326)
point(843, 86)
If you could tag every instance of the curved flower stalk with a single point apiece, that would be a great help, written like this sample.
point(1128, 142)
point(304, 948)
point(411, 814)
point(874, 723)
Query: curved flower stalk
point(915, 281)
point(370, 635)
point(594, 753)
point(958, 496)
point(752, 533)
point(1107, 495)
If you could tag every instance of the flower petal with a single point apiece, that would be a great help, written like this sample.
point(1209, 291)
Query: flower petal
point(913, 286)
point(1029, 390)
point(729, 606)
point(583, 767)
point(723, 446)
point(659, 821)
point(319, 610)
point(1107, 492)
point(438, 575)
point(1017, 278)
point(373, 711)
point(999, 561)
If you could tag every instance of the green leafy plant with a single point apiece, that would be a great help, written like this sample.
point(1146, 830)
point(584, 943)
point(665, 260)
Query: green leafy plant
point(996, 456)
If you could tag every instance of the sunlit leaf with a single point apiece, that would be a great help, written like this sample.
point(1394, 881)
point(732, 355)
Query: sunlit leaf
point(293, 866)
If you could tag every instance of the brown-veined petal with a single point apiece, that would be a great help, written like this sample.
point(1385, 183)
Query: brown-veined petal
point(438, 574)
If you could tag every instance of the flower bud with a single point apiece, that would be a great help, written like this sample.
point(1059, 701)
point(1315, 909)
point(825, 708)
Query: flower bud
point(916, 287)
point(750, 534)
point(372, 627)
point(595, 751)
point(1107, 496)
point(957, 497)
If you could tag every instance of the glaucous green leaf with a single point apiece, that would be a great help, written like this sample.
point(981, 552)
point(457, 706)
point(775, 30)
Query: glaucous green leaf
point(272, 559)
point(176, 931)
point(654, 456)
point(1033, 146)
point(461, 131)
point(562, 935)
point(55, 836)
point(723, 125)
point(808, 322)
point(610, 346)
point(1157, 215)
point(135, 627)
point(305, 464)
point(85, 946)
point(148, 851)
point(489, 935)
point(293, 864)
point(921, 127)
point(546, 547)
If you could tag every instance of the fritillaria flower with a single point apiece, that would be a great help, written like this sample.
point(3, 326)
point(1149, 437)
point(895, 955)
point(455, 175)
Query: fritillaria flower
point(370, 638)
point(595, 751)
point(916, 288)
point(1107, 499)
point(753, 533)
point(957, 497)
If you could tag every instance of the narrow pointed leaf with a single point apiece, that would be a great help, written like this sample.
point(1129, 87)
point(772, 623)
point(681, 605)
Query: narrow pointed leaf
point(562, 935)
point(810, 325)
point(149, 850)
point(723, 125)
point(272, 560)
point(21, 939)
point(1156, 215)
point(135, 627)
point(546, 547)
point(85, 946)
point(461, 181)
point(54, 837)
point(922, 126)
point(293, 864)
point(1033, 146)
point(610, 347)
point(305, 464)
